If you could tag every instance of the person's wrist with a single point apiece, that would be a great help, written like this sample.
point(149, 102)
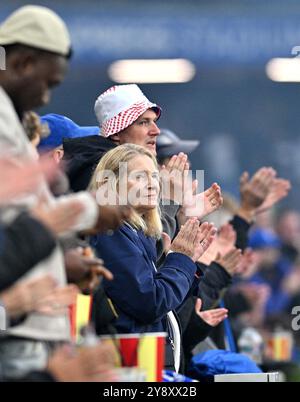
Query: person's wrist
point(205, 259)
point(228, 270)
point(223, 265)
point(246, 212)
point(172, 250)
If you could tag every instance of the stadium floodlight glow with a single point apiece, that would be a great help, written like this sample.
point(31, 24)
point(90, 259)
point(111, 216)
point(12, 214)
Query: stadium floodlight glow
point(151, 71)
point(284, 69)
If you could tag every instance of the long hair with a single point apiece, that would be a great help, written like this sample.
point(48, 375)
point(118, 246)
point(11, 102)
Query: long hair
point(150, 221)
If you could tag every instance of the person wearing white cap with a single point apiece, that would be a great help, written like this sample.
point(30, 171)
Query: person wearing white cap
point(38, 46)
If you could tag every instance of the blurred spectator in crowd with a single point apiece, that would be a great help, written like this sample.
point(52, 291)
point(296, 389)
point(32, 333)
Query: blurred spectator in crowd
point(61, 127)
point(271, 269)
point(169, 144)
point(250, 302)
point(37, 59)
point(287, 227)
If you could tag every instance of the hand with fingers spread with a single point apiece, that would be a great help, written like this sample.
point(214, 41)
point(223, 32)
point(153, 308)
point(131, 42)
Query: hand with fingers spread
point(193, 240)
point(254, 191)
point(230, 261)
point(278, 190)
point(226, 238)
point(206, 236)
point(84, 269)
point(173, 178)
point(211, 317)
point(203, 204)
point(223, 243)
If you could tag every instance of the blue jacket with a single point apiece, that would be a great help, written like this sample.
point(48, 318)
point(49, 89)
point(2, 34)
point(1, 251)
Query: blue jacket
point(142, 296)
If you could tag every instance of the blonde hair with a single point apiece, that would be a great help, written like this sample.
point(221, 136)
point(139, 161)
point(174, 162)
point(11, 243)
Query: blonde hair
point(150, 222)
point(33, 126)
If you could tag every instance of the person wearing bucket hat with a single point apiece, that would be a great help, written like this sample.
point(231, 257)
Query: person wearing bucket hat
point(121, 112)
point(125, 115)
point(169, 144)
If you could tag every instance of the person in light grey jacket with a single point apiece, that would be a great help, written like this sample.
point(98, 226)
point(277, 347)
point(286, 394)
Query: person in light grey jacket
point(36, 60)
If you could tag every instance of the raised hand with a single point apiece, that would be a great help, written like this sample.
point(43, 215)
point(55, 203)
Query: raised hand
point(230, 261)
point(203, 204)
point(226, 238)
point(211, 317)
point(193, 240)
point(247, 264)
point(173, 178)
point(254, 191)
point(206, 236)
point(166, 242)
point(224, 242)
point(279, 190)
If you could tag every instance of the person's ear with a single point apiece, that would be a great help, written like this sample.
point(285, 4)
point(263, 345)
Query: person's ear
point(58, 154)
point(115, 138)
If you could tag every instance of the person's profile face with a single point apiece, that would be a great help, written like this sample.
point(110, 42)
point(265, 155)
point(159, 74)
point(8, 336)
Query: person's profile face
point(142, 132)
point(45, 73)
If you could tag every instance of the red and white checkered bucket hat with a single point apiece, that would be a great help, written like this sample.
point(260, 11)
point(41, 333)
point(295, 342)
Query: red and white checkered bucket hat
point(120, 106)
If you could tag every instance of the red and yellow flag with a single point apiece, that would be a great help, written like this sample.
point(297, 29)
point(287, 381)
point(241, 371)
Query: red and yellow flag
point(145, 351)
point(80, 315)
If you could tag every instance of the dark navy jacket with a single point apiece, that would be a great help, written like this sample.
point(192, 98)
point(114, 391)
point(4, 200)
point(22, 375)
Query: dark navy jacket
point(142, 296)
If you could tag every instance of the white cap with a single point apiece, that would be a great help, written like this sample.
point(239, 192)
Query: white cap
point(120, 106)
point(38, 27)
